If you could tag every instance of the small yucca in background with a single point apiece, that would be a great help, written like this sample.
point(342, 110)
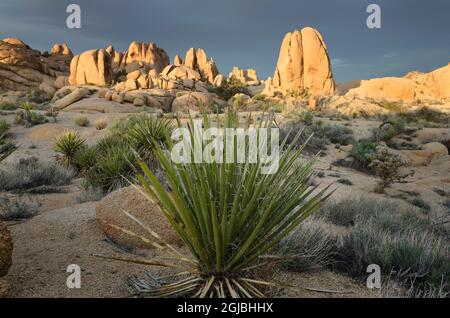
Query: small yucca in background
point(67, 144)
point(229, 216)
point(147, 132)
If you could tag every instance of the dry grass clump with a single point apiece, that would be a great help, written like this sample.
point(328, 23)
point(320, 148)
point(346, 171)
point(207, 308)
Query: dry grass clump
point(81, 121)
point(101, 123)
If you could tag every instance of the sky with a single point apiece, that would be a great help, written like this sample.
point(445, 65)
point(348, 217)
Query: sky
point(415, 34)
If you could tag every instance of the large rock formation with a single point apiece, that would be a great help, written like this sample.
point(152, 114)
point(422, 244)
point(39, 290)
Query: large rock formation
point(197, 60)
point(413, 86)
point(303, 64)
point(91, 68)
point(23, 69)
point(246, 77)
point(6, 247)
point(147, 55)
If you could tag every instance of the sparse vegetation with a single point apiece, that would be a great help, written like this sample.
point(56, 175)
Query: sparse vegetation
point(16, 209)
point(144, 132)
point(230, 87)
point(228, 234)
point(28, 118)
point(114, 160)
point(67, 144)
point(420, 203)
point(362, 152)
point(382, 232)
point(345, 182)
point(101, 123)
point(82, 121)
point(31, 173)
point(7, 106)
point(389, 167)
point(310, 247)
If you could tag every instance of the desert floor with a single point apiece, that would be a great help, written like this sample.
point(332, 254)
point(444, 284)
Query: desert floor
point(65, 231)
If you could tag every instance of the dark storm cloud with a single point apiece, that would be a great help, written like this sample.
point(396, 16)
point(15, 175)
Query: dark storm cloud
point(415, 34)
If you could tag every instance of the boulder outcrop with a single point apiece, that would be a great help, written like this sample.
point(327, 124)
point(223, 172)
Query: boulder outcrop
point(23, 68)
point(206, 67)
point(303, 64)
point(413, 86)
point(246, 77)
point(91, 68)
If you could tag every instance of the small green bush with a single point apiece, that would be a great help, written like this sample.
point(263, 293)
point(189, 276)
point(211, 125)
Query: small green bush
point(115, 160)
point(28, 118)
point(337, 134)
point(362, 151)
point(85, 158)
point(230, 87)
point(7, 106)
point(81, 121)
point(4, 126)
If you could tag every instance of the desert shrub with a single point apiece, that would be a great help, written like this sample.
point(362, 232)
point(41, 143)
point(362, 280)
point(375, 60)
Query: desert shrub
point(85, 158)
point(4, 126)
point(420, 203)
point(441, 191)
point(38, 96)
point(273, 107)
point(337, 134)
point(7, 106)
point(26, 117)
point(16, 209)
point(229, 216)
point(67, 144)
point(345, 182)
point(230, 87)
point(31, 173)
point(388, 167)
point(259, 97)
point(114, 163)
point(309, 247)
point(101, 123)
point(6, 146)
point(81, 121)
point(395, 107)
point(362, 151)
point(412, 256)
point(344, 212)
point(52, 112)
point(315, 143)
point(388, 130)
point(90, 194)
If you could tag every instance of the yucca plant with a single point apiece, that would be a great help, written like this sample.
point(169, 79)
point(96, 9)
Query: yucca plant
point(229, 216)
point(111, 162)
point(67, 144)
point(147, 131)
